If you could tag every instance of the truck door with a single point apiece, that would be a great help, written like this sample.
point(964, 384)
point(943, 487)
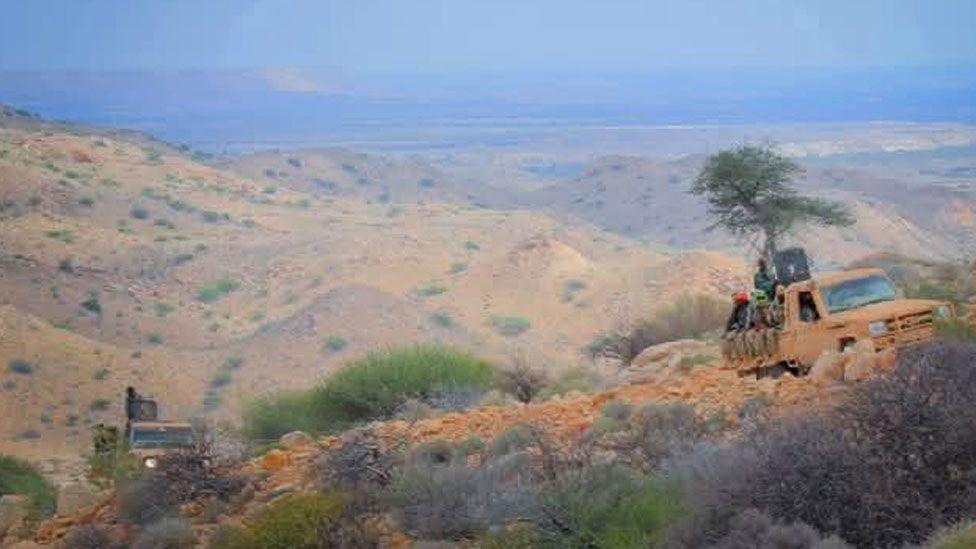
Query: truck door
point(811, 335)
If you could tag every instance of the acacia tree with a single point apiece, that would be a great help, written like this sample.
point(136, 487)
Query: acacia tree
point(748, 192)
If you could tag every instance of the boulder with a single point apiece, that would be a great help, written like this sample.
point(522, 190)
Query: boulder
point(828, 369)
point(859, 368)
point(279, 491)
point(861, 363)
point(662, 354)
point(75, 496)
point(886, 360)
point(275, 460)
point(295, 439)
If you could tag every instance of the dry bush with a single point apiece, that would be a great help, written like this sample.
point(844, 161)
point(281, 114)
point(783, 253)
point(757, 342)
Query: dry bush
point(87, 536)
point(168, 533)
point(753, 529)
point(521, 381)
point(887, 467)
point(661, 430)
point(144, 501)
point(689, 316)
point(512, 440)
point(179, 477)
point(359, 463)
point(457, 501)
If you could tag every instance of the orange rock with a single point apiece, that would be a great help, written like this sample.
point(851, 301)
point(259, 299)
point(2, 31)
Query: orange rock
point(275, 460)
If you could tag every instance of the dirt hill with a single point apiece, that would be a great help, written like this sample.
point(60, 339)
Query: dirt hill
point(127, 261)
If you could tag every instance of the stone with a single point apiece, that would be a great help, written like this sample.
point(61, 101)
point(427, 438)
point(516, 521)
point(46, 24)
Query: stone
point(75, 496)
point(861, 363)
point(245, 495)
point(828, 369)
point(279, 491)
point(886, 360)
point(295, 439)
point(275, 460)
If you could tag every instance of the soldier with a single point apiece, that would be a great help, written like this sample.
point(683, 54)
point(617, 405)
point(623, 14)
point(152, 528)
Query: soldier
point(132, 399)
point(763, 280)
point(105, 439)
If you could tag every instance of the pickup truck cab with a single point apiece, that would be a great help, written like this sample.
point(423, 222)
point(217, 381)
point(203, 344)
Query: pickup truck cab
point(832, 312)
point(152, 441)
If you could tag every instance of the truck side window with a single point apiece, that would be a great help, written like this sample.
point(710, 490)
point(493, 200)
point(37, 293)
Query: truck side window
point(808, 307)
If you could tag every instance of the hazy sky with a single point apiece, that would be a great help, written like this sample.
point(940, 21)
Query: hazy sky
point(460, 35)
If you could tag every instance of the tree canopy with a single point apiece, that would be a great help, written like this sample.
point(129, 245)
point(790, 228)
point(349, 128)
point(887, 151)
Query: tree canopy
point(748, 193)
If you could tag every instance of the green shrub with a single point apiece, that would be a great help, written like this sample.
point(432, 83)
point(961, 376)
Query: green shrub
point(154, 339)
point(956, 329)
point(961, 536)
point(430, 290)
point(19, 477)
point(297, 521)
point(86, 201)
point(66, 265)
point(210, 216)
point(217, 289)
point(64, 235)
point(471, 246)
point(336, 343)
point(20, 366)
point(221, 379)
point(92, 304)
point(458, 267)
point(609, 506)
point(99, 405)
point(369, 388)
point(571, 288)
point(162, 309)
point(510, 325)
point(443, 320)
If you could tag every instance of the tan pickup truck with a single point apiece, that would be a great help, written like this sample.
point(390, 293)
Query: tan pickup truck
point(152, 441)
point(831, 312)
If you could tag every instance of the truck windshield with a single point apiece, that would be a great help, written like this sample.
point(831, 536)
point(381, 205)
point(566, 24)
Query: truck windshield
point(162, 437)
point(859, 292)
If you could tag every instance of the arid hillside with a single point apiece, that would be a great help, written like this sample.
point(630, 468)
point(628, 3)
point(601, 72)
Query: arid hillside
point(927, 212)
point(127, 261)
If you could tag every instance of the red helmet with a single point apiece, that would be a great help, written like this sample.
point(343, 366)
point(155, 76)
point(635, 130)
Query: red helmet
point(741, 297)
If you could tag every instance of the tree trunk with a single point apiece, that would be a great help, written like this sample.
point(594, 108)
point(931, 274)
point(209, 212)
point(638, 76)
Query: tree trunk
point(769, 248)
